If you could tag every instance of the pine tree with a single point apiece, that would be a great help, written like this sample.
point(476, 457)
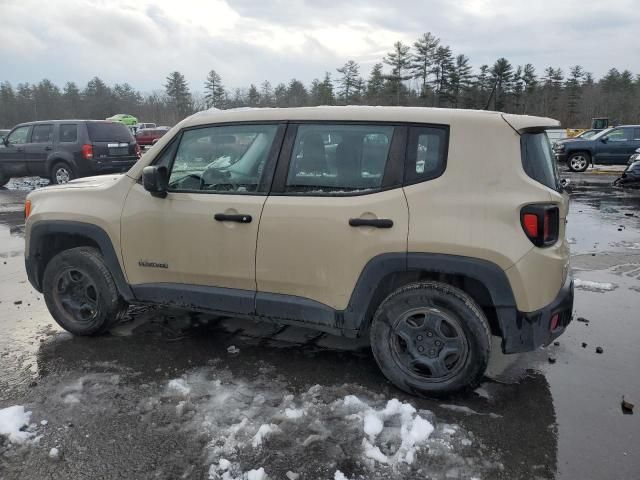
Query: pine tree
point(422, 60)
point(280, 95)
point(442, 69)
point(530, 81)
point(399, 60)
point(178, 95)
point(215, 92)
point(375, 85)
point(502, 74)
point(253, 96)
point(573, 87)
point(460, 82)
point(347, 82)
point(266, 94)
point(297, 95)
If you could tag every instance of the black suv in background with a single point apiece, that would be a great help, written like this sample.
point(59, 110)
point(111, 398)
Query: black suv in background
point(613, 146)
point(62, 150)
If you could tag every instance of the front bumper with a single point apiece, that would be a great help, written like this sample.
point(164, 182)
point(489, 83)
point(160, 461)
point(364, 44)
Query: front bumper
point(533, 329)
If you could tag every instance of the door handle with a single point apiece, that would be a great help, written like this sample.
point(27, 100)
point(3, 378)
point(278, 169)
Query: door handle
point(223, 217)
point(47, 148)
point(19, 149)
point(371, 222)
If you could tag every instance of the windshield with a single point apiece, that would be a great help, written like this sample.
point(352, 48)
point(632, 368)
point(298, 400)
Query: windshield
point(538, 160)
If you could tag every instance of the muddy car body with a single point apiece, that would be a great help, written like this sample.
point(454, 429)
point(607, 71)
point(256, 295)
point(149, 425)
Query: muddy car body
point(427, 230)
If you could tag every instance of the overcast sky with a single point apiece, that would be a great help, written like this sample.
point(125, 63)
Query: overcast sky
point(245, 41)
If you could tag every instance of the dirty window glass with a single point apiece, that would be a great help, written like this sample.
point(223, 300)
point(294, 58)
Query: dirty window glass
point(333, 158)
point(426, 153)
point(538, 160)
point(227, 159)
point(42, 134)
point(19, 135)
point(620, 135)
point(68, 133)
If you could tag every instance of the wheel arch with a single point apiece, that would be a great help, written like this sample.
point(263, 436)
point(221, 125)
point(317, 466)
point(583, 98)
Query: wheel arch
point(57, 157)
point(47, 238)
point(484, 281)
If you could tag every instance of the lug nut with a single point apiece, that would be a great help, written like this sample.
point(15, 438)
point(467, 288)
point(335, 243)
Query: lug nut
point(438, 343)
point(419, 337)
point(421, 349)
point(429, 334)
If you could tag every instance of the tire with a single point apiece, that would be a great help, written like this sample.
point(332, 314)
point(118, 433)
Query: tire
point(4, 178)
point(80, 292)
point(579, 161)
point(61, 173)
point(431, 339)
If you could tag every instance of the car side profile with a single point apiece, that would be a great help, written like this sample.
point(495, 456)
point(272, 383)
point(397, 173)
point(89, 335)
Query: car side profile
point(124, 118)
point(62, 150)
point(612, 146)
point(426, 231)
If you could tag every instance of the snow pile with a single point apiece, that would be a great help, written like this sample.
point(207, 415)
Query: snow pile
point(594, 286)
point(13, 422)
point(321, 430)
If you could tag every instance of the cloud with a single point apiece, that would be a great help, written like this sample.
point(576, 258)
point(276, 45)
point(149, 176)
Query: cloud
point(248, 41)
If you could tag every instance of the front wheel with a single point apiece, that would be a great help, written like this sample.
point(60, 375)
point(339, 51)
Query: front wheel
point(578, 162)
point(61, 173)
point(431, 339)
point(80, 292)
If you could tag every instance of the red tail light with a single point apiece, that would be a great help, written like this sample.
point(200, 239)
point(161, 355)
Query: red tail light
point(87, 151)
point(138, 150)
point(541, 224)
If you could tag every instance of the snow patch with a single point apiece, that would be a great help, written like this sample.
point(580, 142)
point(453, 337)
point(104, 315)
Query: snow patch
point(54, 454)
point(594, 286)
point(240, 418)
point(13, 421)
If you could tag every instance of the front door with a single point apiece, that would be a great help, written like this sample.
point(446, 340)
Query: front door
point(198, 244)
point(337, 203)
point(12, 155)
point(38, 148)
point(615, 147)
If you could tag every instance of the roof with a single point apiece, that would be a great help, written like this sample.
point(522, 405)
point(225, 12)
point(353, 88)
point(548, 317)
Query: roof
point(446, 116)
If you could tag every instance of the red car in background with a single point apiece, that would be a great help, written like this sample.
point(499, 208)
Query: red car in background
point(149, 136)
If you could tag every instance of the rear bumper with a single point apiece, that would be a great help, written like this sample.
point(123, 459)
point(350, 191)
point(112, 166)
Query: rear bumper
point(533, 329)
point(97, 167)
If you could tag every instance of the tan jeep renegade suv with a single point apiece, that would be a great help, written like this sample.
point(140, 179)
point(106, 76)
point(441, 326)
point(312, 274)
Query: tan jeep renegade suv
point(428, 230)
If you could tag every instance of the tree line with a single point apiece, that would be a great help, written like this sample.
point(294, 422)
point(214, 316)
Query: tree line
point(426, 73)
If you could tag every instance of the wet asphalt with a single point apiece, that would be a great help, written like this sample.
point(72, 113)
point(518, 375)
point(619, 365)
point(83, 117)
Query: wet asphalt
point(103, 400)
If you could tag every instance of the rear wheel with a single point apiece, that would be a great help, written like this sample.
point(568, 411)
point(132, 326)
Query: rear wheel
point(431, 339)
point(578, 162)
point(61, 173)
point(80, 292)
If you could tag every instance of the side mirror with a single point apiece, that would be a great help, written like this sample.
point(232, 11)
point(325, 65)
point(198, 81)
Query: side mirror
point(604, 139)
point(5, 141)
point(155, 180)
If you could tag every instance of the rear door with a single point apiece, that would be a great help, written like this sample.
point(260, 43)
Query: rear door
point(39, 148)
point(336, 203)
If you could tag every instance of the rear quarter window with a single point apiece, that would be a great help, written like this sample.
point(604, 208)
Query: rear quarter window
point(538, 160)
point(109, 132)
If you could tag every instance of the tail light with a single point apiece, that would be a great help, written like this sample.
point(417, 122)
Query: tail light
point(87, 151)
point(138, 151)
point(541, 224)
point(27, 209)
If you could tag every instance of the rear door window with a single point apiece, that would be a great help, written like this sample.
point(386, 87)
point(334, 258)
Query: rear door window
point(42, 134)
point(109, 132)
point(68, 133)
point(334, 158)
point(426, 154)
point(538, 159)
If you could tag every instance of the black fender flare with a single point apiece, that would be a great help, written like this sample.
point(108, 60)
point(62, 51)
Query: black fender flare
point(41, 229)
point(57, 156)
point(489, 274)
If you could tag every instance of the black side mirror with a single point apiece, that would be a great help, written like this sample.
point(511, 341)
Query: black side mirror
point(604, 139)
point(156, 180)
